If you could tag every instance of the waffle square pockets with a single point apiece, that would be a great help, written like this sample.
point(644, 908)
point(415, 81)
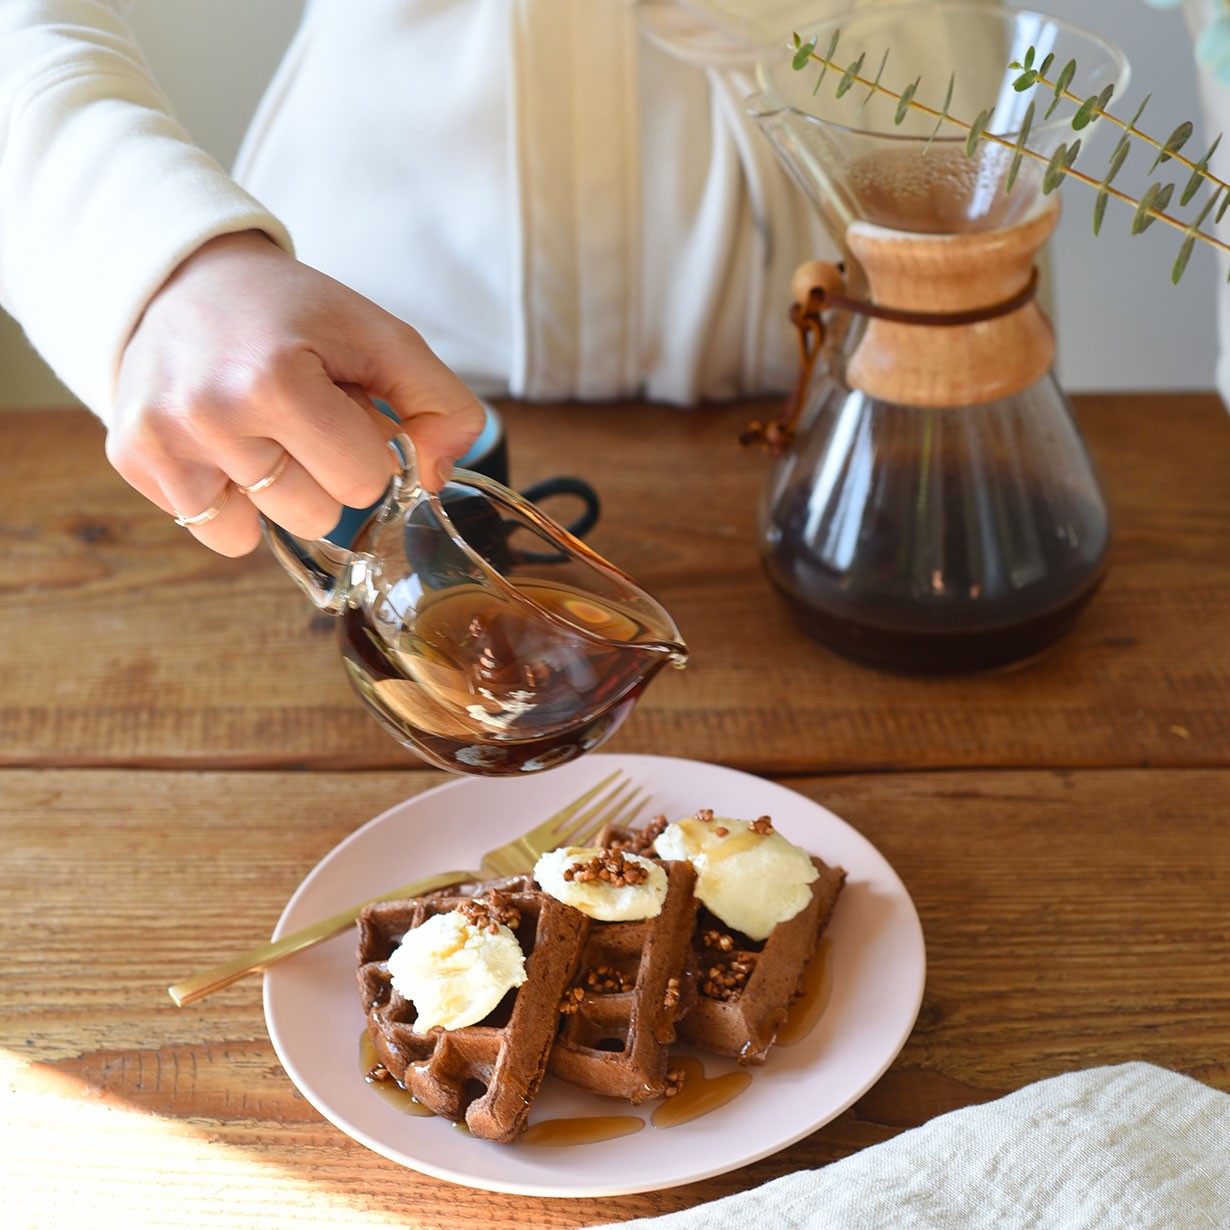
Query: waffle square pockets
point(484, 1074)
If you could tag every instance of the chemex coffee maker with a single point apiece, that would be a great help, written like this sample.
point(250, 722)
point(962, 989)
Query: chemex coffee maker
point(933, 508)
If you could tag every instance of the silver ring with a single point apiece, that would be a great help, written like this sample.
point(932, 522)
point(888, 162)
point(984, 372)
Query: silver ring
point(204, 518)
point(269, 479)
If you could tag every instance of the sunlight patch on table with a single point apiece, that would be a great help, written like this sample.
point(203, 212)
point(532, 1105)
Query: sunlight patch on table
point(121, 1166)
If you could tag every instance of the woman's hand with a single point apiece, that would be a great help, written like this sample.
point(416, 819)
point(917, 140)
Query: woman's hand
point(248, 364)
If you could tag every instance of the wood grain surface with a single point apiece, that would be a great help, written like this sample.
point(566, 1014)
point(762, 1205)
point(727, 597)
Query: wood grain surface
point(178, 748)
point(1071, 919)
point(128, 644)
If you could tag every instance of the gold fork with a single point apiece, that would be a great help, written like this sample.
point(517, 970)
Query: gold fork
point(606, 803)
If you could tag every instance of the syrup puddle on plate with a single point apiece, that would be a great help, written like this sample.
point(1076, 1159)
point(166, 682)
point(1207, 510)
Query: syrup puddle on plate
point(393, 1092)
point(583, 1130)
point(813, 997)
point(700, 1094)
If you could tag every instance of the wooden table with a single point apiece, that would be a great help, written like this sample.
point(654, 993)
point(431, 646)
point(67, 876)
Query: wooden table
point(178, 747)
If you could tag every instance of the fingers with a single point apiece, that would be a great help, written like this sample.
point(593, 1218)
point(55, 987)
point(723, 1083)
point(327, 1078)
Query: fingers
point(215, 507)
point(295, 500)
point(327, 447)
point(185, 473)
point(202, 497)
point(247, 362)
point(438, 411)
point(228, 524)
point(330, 431)
point(222, 506)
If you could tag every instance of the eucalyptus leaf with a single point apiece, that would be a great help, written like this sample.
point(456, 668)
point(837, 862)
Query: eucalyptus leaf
point(1180, 264)
point(803, 53)
point(1154, 202)
point(1174, 143)
point(907, 97)
point(1199, 173)
point(1125, 141)
point(1116, 161)
point(1086, 113)
point(975, 132)
point(1059, 165)
point(1025, 80)
point(1144, 102)
point(1208, 205)
point(828, 59)
point(875, 85)
point(952, 83)
point(850, 75)
point(1019, 150)
point(1061, 84)
point(1193, 232)
point(1099, 209)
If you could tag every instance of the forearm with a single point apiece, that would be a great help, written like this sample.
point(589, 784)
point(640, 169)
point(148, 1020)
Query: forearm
point(102, 194)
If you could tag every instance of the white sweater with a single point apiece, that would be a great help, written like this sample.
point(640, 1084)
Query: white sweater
point(566, 199)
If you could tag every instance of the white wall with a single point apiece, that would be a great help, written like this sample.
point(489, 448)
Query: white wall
point(1120, 322)
point(214, 58)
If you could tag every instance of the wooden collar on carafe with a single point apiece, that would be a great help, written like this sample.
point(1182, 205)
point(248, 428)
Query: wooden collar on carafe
point(952, 319)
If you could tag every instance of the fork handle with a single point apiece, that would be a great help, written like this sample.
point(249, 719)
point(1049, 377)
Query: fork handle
point(197, 986)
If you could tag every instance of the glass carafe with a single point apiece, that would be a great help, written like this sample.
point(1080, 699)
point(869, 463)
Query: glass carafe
point(937, 510)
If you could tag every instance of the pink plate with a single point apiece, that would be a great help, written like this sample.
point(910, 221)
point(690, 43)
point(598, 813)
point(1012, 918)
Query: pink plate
point(876, 974)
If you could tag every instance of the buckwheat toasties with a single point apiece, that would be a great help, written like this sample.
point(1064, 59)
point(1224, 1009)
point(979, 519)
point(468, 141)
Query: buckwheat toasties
point(480, 1067)
point(593, 967)
point(620, 1013)
point(764, 905)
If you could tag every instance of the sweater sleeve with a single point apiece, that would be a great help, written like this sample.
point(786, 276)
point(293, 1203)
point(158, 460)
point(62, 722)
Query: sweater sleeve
point(102, 194)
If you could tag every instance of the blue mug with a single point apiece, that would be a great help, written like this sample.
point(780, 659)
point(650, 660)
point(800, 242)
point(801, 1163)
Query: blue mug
point(489, 455)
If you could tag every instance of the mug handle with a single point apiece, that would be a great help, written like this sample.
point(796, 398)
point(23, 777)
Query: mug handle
point(566, 484)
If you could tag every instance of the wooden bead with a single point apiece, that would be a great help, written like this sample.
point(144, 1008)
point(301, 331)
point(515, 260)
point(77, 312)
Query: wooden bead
point(816, 275)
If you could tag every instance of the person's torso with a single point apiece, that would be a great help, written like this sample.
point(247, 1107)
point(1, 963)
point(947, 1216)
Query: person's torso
point(566, 199)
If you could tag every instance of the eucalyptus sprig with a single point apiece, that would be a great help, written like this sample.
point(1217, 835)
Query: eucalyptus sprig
point(1151, 206)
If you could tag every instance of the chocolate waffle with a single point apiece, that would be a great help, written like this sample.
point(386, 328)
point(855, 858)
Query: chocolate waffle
point(619, 1016)
point(744, 987)
point(487, 1074)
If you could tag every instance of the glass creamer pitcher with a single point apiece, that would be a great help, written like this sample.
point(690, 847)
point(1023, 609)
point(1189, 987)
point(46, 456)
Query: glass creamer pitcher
point(936, 510)
point(480, 633)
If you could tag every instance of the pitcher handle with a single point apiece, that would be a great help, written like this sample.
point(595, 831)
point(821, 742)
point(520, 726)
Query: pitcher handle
point(326, 571)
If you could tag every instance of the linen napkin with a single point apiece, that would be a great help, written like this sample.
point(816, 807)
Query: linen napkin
point(1126, 1147)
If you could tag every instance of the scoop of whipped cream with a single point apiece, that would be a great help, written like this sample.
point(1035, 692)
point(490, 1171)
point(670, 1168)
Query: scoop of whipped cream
point(608, 885)
point(747, 873)
point(454, 971)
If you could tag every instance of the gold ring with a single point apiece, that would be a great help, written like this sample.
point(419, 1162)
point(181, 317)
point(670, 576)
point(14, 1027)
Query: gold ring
point(269, 479)
point(204, 518)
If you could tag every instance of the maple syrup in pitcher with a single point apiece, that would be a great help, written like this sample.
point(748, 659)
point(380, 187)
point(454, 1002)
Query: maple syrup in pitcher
point(479, 632)
point(478, 683)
